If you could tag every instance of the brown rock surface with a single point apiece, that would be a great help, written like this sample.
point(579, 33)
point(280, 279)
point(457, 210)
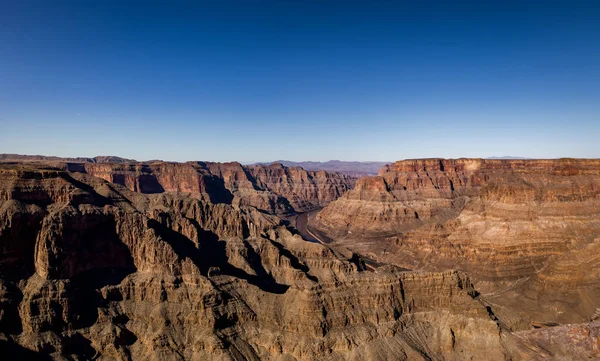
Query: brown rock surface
point(90, 269)
point(565, 342)
point(526, 231)
point(274, 189)
point(355, 169)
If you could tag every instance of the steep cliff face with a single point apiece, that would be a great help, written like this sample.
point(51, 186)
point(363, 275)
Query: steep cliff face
point(303, 189)
point(355, 169)
point(274, 189)
point(525, 230)
point(90, 269)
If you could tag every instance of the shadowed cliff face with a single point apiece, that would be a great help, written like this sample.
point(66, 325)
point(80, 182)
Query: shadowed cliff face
point(525, 230)
point(90, 269)
point(274, 189)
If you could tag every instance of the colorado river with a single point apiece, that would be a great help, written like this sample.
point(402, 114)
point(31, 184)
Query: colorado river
point(302, 223)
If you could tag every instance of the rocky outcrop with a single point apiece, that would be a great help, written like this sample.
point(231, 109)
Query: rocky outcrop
point(566, 342)
point(354, 169)
point(304, 190)
point(92, 270)
point(274, 189)
point(525, 230)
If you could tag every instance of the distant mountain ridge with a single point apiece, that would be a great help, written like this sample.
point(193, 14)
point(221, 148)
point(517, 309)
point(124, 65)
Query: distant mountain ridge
point(507, 157)
point(353, 168)
point(4, 157)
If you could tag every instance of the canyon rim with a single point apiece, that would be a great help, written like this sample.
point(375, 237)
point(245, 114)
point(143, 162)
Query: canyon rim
point(299, 180)
point(433, 259)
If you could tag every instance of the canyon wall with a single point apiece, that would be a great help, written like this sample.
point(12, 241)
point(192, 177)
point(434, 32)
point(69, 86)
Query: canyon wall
point(90, 269)
point(526, 231)
point(274, 189)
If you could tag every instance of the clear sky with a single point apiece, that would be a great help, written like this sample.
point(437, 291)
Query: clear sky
point(300, 80)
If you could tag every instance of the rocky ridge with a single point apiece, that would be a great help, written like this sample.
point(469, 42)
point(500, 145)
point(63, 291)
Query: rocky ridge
point(526, 231)
point(355, 169)
point(4, 157)
point(274, 189)
point(91, 269)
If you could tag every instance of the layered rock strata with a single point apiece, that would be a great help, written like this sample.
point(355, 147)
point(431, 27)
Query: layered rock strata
point(525, 230)
point(274, 189)
point(92, 270)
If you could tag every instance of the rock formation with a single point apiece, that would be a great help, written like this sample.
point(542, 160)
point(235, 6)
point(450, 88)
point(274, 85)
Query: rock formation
point(92, 270)
point(354, 169)
point(526, 231)
point(167, 261)
point(274, 189)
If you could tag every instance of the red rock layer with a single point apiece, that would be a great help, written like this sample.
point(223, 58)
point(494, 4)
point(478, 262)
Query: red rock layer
point(89, 270)
point(521, 228)
point(274, 189)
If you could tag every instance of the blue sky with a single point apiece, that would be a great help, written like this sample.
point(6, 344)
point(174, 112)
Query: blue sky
point(300, 80)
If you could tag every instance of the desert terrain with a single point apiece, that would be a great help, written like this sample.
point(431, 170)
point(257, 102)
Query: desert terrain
point(431, 260)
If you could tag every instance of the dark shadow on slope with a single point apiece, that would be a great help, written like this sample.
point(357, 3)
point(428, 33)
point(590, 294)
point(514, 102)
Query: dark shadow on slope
point(10, 322)
point(77, 344)
point(294, 260)
point(212, 253)
point(285, 203)
point(13, 351)
point(261, 274)
point(18, 245)
point(267, 284)
point(92, 249)
point(254, 260)
point(252, 179)
point(358, 262)
point(96, 257)
point(92, 197)
point(148, 184)
point(216, 190)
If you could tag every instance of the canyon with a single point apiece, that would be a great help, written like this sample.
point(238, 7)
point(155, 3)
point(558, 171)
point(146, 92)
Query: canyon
point(356, 169)
point(526, 231)
point(124, 260)
point(274, 189)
